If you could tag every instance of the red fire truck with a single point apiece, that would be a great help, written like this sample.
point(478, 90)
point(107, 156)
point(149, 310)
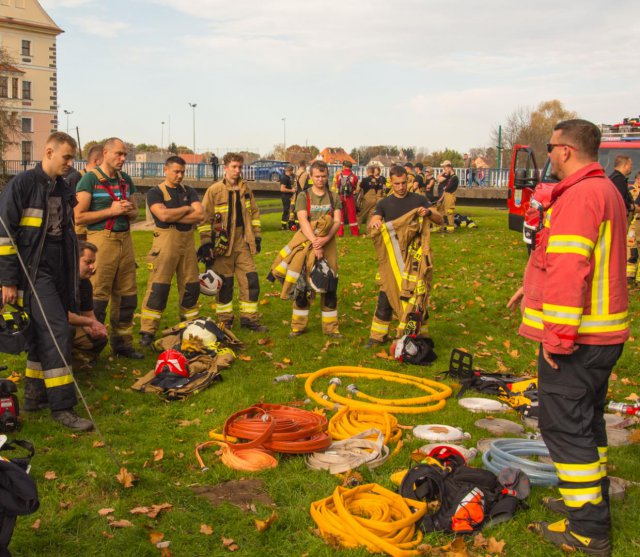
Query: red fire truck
point(525, 174)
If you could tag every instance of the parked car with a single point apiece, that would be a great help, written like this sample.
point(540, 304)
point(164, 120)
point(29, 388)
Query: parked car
point(268, 169)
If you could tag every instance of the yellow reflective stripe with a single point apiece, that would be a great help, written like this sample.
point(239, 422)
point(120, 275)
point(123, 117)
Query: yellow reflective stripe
point(328, 316)
point(188, 315)
point(123, 330)
point(579, 497)
point(379, 327)
point(393, 249)
point(204, 228)
point(532, 318)
point(603, 453)
point(600, 283)
point(31, 221)
point(562, 315)
point(7, 250)
point(224, 308)
point(570, 243)
point(34, 373)
point(281, 268)
point(151, 314)
point(411, 278)
point(58, 381)
point(547, 218)
point(286, 250)
point(224, 209)
point(291, 276)
point(255, 222)
point(578, 472)
point(301, 312)
point(604, 323)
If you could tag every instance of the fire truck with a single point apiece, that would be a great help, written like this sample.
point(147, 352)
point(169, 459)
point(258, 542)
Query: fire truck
point(525, 174)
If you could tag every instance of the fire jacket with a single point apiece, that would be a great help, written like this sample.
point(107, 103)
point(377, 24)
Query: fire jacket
point(403, 249)
point(291, 259)
point(345, 183)
point(575, 288)
point(24, 206)
point(220, 199)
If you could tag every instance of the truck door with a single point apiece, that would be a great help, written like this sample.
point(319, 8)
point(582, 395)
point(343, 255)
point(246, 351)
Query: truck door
point(523, 178)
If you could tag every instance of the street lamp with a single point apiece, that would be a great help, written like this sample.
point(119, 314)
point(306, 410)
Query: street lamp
point(162, 138)
point(68, 112)
point(193, 107)
point(284, 125)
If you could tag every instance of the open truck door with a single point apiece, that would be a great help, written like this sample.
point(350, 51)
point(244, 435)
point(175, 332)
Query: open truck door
point(524, 176)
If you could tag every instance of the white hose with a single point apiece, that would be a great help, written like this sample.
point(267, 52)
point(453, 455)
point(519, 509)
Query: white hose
point(509, 452)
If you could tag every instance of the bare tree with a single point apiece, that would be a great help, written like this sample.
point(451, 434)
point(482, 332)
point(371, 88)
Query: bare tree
point(9, 122)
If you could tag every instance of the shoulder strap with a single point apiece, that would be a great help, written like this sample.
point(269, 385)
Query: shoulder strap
point(165, 193)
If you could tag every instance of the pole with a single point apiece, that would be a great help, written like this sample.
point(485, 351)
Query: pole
point(79, 144)
point(284, 125)
point(193, 107)
point(499, 147)
point(169, 131)
point(68, 112)
point(162, 138)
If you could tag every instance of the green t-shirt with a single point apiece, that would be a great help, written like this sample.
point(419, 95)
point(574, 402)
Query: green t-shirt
point(320, 206)
point(100, 198)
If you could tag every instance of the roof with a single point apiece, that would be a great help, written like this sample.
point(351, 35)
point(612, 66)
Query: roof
point(190, 158)
point(9, 68)
point(335, 155)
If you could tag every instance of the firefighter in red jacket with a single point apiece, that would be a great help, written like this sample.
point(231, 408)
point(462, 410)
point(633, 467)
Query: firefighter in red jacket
point(345, 183)
point(574, 302)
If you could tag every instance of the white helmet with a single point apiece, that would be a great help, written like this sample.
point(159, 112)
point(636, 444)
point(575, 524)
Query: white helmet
point(210, 283)
point(203, 329)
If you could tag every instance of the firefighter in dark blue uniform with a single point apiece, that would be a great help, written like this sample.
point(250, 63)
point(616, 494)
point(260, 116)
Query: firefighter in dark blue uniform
point(37, 215)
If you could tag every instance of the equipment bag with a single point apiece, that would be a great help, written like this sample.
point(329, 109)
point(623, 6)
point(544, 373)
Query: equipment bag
point(9, 407)
point(18, 492)
point(414, 349)
point(15, 328)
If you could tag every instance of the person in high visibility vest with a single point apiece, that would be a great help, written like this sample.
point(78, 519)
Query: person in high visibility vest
point(574, 303)
point(345, 183)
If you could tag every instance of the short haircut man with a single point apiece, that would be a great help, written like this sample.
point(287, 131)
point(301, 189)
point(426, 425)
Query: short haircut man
point(175, 159)
point(397, 170)
point(583, 135)
point(232, 157)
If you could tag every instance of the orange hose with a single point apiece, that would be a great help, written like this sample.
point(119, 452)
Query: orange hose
point(245, 460)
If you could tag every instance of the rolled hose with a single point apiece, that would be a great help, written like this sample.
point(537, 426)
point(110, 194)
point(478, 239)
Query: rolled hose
point(505, 453)
point(433, 401)
point(371, 516)
point(348, 422)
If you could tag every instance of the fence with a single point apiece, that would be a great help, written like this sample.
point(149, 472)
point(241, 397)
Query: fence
point(483, 177)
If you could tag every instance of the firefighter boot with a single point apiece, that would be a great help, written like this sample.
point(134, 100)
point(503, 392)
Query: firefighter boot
point(559, 534)
point(252, 325)
point(69, 418)
point(35, 395)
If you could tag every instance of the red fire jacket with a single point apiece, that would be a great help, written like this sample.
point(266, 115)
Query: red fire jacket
point(575, 288)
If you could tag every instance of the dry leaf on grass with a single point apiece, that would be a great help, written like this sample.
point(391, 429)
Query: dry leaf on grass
point(156, 537)
point(287, 361)
point(327, 345)
point(36, 524)
point(107, 535)
point(357, 284)
point(158, 454)
point(495, 547)
point(50, 475)
point(120, 524)
point(98, 444)
point(514, 354)
point(139, 510)
point(244, 358)
point(125, 478)
point(263, 525)
point(507, 344)
point(457, 548)
point(230, 544)
point(265, 341)
point(186, 423)
point(206, 529)
point(280, 365)
point(632, 397)
point(106, 511)
point(157, 509)
point(634, 437)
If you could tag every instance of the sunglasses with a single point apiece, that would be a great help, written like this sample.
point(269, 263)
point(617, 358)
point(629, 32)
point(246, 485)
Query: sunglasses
point(551, 146)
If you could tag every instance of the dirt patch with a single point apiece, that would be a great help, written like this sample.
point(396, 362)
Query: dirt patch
point(241, 493)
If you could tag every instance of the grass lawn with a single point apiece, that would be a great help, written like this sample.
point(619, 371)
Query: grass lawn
point(476, 271)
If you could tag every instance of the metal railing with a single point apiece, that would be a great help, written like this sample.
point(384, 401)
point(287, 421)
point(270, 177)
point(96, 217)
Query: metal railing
point(483, 178)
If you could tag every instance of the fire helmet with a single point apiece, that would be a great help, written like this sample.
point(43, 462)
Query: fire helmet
point(203, 329)
point(172, 361)
point(322, 279)
point(14, 329)
point(210, 283)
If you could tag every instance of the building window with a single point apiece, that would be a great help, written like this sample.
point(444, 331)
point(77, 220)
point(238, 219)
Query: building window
point(26, 90)
point(27, 148)
point(26, 48)
point(14, 87)
point(4, 87)
point(19, 3)
point(27, 125)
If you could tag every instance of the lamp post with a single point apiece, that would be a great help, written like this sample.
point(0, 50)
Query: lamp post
point(68, 112)
point(193, 107)
point(162, 138)
point(284, 126)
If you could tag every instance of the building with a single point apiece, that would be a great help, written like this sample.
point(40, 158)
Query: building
point(335, 155)
point(29, 85)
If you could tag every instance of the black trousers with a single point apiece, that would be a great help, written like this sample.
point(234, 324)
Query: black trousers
point(286, 206)
point(572, 402)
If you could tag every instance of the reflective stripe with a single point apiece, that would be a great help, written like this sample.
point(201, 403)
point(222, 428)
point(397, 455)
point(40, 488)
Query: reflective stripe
point(411, 278)
point(396, 260)
point(34, 365)
point(578, 472)
point(7, 250)
point(57, 372)
point(600, 284)
point(379, 327)
point(353, 225)
point(291, 276)
point(532, 318)
point(286, 250)
point(579, 497)
point(248, 307)
point(604, 323)
point(123, 330)
point(301, 312)
point(562, 315)
point(32, 212)
point(223, 209)
point(282, 267)
point(224, 308)
point(58, 381)
point(31, 221)
point(150, 314)
point(604, 458)
point(247, 203)
point(190, 314)
point(547, 218)
point(570, 243)
point(329, 316)
point(204, 228)
point(5, 242)
point(255, 222)
point(34, 373)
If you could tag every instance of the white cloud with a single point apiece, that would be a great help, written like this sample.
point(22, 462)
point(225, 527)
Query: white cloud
point(98, 27)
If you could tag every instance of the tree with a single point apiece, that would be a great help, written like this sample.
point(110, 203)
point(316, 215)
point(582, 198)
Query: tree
point(365, 153)
point(9, 122)
point(172, 148)
point(437, 157)
point(184, 150)
point(147, 148)
point(532, 127)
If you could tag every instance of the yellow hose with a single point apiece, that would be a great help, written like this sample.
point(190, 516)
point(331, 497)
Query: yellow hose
point(348, 422)
point(371, 516)
point(433, 401)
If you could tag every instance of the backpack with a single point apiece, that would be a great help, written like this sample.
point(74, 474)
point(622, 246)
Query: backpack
point(18, 491)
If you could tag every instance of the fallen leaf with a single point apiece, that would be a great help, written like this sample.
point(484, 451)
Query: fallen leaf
point(158, 455)
point(229, 544)
point(514, 354)
point(265, 342)
point(632, 397)
point(489, 338)
point(64, 505)
point(107, 535)
point(106, 511)
point(206, 529)
point(244, 358)
point(357, 284)
point(121, 524)
point(280, 365)
point(479, 540)
point(185, 423)
point(495, 547)
point(98, 444)
point(263, 525)
point(50, 475)
point(634, 437)
point(287, 361)
point(157, 509)
point(92, 474)
point(139, 510)
point(267, 354)
point(209, 411)
point(613, 377)
point(36, 524)
point(507, 344)
point(156, 537)
point(125, 478)
point(264, 302)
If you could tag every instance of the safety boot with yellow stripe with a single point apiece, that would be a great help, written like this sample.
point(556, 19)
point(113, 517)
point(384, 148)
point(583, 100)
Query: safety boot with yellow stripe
point(559, 534)
point(555, 505)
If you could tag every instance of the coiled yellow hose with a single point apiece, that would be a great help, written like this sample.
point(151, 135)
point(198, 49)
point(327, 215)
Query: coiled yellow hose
point(348, 422)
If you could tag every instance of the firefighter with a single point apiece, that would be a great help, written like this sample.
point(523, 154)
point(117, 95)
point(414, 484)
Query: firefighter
point(419, 173)
point(429, 184)
point(447, 186)
point(412, 186)
point(94, 158)
point(345, 183)
point(633, 236)
point(90, 336)
point(575, 304)
point(176, 209)
point(372, 188)
point(286, 190)
point(36, 208)
point(232, 227)
point(312, 205)
point(302, 177)
point(400, 203)
point(106, 207)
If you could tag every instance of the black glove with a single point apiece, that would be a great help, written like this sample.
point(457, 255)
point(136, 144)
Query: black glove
point(205, 254)
point(258, 245)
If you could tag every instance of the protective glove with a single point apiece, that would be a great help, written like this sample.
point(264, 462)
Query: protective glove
point(205, 254)
point(258, 245)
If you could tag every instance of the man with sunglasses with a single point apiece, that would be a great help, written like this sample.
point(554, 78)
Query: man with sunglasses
point(575, 304)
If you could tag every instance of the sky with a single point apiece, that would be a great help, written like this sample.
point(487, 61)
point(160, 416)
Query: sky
point(420, 73)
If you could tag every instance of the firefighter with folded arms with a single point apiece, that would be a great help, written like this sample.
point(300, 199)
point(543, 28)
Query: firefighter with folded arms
point(230, 237)
point(399, 229)
point(313, 205)
point(106, 207)
point(345, 184)
point(36, 208)
point(447, 185)
point(574, 303)
point(90, 336)
point(176, 210)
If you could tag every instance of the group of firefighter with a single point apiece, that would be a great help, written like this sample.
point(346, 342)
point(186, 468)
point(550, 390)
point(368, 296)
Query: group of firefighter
point(574, 300)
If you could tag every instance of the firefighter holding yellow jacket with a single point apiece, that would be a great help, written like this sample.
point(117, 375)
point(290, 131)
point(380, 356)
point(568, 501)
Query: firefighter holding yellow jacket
point(176, 209)
point(230, 237)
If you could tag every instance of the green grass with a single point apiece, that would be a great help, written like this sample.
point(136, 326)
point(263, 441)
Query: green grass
point(476, 271)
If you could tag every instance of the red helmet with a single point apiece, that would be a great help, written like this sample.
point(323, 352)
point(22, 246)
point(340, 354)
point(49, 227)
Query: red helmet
point(172, 361)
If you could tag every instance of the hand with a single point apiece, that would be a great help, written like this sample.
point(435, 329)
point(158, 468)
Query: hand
point(549, 359)
point(258, 245)
point(422, 211)
point(118, 208)
point(9, 295)
point(319, 253)
point(96, 330)
point(515, 300)
point(205, 254)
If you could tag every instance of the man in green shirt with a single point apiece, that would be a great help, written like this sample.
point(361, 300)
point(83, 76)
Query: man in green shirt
point(106, 207)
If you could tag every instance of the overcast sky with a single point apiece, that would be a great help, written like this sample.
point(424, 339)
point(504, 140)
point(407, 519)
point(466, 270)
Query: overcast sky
point(423, 73)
